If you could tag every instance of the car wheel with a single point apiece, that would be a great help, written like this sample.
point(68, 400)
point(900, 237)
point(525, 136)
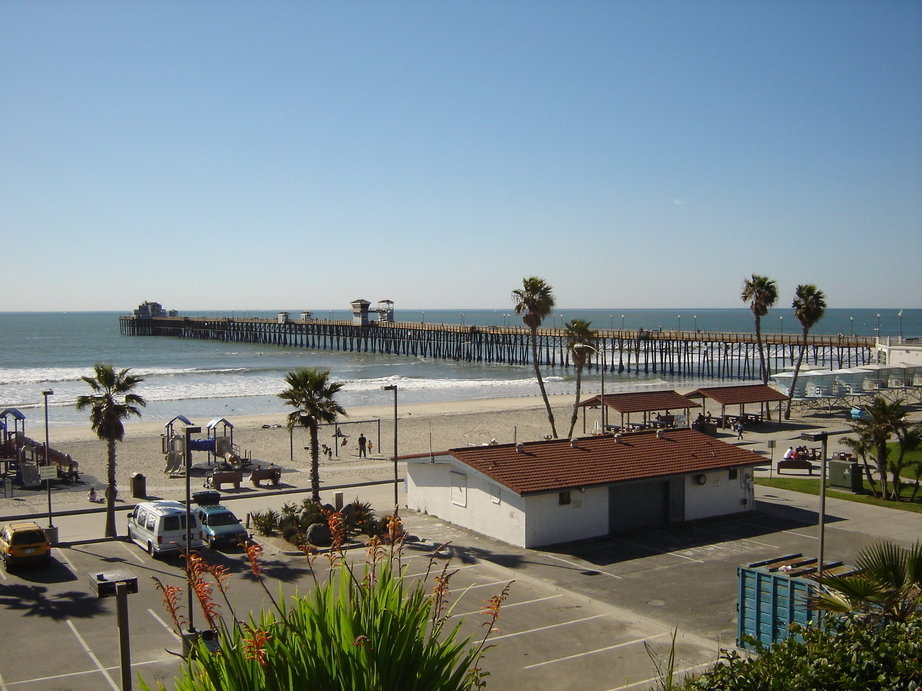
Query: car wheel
point(150, 549)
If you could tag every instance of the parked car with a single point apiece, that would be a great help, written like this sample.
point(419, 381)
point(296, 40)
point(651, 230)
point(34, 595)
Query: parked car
point(22, 542)
point(220, 526)
point(160, 527)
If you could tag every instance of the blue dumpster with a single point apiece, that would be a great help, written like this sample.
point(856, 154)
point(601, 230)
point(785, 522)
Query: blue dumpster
point(776, 593)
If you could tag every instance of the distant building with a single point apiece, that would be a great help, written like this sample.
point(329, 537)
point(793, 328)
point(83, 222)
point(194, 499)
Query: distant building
point(149, 310)
point(548, 492)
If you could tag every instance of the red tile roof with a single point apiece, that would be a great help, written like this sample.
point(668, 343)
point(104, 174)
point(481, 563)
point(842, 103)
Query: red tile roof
point(641, 402)
point(748, 393)
point(545, 466)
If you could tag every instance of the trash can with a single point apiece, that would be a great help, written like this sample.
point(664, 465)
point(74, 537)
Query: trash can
point(51, 534)
point(138, 485)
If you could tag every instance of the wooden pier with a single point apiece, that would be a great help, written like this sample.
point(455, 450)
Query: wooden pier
point(676, 353)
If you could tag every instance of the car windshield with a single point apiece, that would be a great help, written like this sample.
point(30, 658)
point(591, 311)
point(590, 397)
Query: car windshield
point(26, 537)
point(224, 518)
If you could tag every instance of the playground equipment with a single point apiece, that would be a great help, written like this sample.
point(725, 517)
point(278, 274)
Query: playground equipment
point(218, 444)
point(21, 456)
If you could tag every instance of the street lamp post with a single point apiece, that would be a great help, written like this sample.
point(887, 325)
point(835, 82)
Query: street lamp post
point(679, 317)
point(393, 387)
point(781, 318)
point(586, 346)
point(878, 326)
point(46, 394)
point(851, 326)
point(695, 317)
point(190, 430)
point(900, 315)
point(622, 322)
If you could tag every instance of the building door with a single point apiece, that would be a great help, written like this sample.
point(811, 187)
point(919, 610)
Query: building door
point(638, 505)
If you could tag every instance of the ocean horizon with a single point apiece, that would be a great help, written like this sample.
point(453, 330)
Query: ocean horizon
point(208, 379)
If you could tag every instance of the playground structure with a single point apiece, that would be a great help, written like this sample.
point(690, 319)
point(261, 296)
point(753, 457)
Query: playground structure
point(219, 444)
point(21, 457)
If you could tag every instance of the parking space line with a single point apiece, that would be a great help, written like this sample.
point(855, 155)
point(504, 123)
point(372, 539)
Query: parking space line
point(92, 655)
point(546, 628)
point(654, 550)
point(79, 674)
point(676, 674)
point(732, 537)
point(507, 606)
point(439, 570)
point(69, 563)
point(2, 685)
point(132, 552)
point(473, 586)
point(593, 652)
point(163, 624)
point(809, 537)
point(580, 566)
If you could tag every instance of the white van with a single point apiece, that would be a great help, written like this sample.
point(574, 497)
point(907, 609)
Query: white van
point(160, 527)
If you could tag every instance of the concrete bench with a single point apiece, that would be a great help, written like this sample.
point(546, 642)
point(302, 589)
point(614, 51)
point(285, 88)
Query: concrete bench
point(221, 477)
point(271, 473)
point(794, 464)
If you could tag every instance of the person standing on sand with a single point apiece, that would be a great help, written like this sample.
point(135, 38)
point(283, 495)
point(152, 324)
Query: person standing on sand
point(362, 443)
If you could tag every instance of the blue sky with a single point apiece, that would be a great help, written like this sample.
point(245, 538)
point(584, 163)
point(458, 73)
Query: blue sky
point(298, 155)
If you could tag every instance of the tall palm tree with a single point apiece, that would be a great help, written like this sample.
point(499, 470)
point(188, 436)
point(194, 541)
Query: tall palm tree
point(888, 584)
point(534, 301)
point(760, 292)
point(809, 307)
point(580, 336)
point(310, 393)
point(111, 402)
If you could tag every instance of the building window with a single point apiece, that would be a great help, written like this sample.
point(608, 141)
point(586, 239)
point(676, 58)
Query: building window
point(563, 498)
point(459, 489)
point(733, 472)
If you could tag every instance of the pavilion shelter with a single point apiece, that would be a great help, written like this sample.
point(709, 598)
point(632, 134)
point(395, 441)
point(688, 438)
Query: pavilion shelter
point(742, 395)
point(645, 403)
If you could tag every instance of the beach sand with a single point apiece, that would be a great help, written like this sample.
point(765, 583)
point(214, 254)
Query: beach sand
point(422, 427)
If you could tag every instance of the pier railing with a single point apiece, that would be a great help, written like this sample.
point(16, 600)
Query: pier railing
point(711, 354)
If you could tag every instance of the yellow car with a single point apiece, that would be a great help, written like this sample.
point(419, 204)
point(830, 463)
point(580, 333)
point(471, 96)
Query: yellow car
point(23, 542)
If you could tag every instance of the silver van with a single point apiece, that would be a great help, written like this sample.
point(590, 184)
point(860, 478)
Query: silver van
point(160, 527)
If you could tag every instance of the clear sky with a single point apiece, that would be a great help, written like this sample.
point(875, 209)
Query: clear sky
point(299, 155)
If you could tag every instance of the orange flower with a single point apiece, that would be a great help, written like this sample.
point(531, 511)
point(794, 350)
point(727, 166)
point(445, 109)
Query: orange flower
point(254, 647)
point(254, 550)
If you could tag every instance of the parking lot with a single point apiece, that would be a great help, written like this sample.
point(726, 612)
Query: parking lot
point(577, 616)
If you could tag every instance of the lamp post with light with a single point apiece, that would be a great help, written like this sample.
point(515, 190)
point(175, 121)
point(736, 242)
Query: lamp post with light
point(586, 346)
point(393, 387)
point(189, 431)
point(46, 394)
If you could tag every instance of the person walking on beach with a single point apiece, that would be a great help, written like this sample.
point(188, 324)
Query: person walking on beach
point(739, 430)
point(362, 443)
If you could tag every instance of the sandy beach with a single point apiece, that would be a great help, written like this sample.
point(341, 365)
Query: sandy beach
point(422, 427)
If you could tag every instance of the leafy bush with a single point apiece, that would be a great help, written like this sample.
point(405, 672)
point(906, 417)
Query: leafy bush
point(374, 629)
point(845, 655)
point(265, 522)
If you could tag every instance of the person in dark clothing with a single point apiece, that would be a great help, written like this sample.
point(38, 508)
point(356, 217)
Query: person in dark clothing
point(362, 446)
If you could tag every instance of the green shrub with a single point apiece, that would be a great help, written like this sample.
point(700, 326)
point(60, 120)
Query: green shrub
point(265, 522)
point(845, 655)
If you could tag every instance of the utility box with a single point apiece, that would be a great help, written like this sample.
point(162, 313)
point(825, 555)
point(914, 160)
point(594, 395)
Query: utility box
point(139, 485)
point(845, 474)
point(776, 593)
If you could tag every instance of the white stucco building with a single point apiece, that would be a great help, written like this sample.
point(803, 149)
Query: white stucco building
point(547, 492)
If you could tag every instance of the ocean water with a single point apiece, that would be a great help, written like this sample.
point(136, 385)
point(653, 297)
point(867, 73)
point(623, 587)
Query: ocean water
point(205, 379)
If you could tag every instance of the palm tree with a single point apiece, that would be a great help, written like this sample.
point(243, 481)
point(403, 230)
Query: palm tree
point(888, 584)
point(311, 394)
point(884, 421)
point(111, 402)
point(580, 336)
point(760, 292)
point(534, 301)
point(809, 306)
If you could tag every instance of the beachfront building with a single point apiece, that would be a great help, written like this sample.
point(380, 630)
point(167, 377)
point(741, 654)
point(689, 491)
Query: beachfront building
point(548, 492)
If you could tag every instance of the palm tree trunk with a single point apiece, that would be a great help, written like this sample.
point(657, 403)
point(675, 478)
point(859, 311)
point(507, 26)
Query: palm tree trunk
point(534, 359)
point(800, 359)
point(579, 380)
point(110, 489)
point(763, 370)
point(315, 459)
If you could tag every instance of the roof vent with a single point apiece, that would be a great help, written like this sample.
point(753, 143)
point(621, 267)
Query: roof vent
point(520, 447)
point(574, 442)
point(618, 438)
point(660, 434)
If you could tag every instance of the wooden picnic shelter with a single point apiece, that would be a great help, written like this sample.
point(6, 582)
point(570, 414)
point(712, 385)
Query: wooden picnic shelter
point(661, 402)
point(740, 395)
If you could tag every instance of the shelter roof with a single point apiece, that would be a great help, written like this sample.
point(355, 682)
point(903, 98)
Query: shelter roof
point(559, 464)
point(642, 402)
point(217, 421)
point(745, 393)
point(12, 412)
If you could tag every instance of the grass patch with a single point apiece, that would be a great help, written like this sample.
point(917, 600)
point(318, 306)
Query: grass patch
point(812, 486)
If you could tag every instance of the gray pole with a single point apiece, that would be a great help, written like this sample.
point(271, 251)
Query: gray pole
point(189, 431)
point(393, 387)
point(46, 394)
point(124, 642)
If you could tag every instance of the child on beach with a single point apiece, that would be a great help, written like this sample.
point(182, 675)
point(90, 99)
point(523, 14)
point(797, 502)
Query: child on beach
point(91, 495)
